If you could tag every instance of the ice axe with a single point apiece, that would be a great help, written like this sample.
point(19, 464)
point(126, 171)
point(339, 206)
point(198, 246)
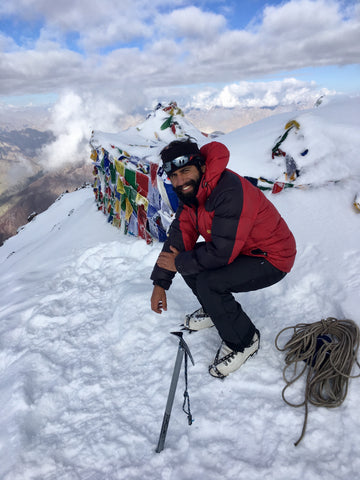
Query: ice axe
point(182, 350)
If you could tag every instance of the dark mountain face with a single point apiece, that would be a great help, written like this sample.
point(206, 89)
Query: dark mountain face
point(39, 195)
point(28, 141)
point(25, 188)
point(19, 164)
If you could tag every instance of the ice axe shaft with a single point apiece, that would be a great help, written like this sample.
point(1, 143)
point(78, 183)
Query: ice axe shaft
point(183, 349)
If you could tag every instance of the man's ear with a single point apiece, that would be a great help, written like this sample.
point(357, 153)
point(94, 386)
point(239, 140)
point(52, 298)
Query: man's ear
point(203, 168)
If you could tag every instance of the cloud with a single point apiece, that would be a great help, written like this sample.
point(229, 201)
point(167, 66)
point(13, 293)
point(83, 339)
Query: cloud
point(72, 119)
point(7, 43)
point(124, 49)
point(191, 22)
point(295, 35)
point(301, 18)
point(312, 33)
point(288, 91)
point(39, 71)
point(97, 25)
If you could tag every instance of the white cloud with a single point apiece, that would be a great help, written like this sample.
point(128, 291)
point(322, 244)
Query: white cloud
point(7, 43)
point(39, 71)
point(258, 94)
point(73, 118)
point(181, 45)
point(311, 33)
point(297, 34)
point(191, 22)
point(301, 18)
point(97, 24)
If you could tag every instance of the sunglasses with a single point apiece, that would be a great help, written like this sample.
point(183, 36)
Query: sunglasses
point(179, 162)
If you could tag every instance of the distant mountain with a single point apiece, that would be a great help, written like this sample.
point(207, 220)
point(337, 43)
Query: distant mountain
point(25, 188)
point(229, 119)
point(19, 150)
point(39, 195)
point(19, 118)
point(28, 141)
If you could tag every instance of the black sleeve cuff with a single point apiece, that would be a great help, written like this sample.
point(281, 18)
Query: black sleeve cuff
point(165, 284)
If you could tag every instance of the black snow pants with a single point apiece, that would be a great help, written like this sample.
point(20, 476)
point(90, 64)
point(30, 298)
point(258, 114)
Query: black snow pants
point(214, 289)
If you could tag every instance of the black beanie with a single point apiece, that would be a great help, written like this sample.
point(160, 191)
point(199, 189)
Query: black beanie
point(178, 148)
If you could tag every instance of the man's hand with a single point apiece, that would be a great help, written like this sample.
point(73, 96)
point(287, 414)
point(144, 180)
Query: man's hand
point(166, 260)
point(158, 299)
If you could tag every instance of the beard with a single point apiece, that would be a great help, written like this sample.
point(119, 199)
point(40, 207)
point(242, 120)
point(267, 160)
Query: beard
point(189, 198)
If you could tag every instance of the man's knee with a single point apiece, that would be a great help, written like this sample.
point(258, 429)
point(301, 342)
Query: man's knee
point(208, 283)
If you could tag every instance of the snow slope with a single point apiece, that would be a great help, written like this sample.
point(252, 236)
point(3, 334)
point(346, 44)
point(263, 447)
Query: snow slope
point(86, 366)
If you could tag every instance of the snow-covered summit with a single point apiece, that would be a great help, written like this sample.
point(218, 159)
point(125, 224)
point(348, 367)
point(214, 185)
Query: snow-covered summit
point(162, 125)
point(85, 366)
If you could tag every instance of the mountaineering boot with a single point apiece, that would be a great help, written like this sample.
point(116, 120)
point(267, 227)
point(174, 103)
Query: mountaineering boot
point(198, 320)
point(227, 360)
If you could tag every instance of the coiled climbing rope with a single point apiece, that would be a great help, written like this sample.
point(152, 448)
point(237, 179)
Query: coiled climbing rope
point(326, 351)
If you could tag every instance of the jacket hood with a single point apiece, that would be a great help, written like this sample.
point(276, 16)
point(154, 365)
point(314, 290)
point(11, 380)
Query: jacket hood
point(216, 159)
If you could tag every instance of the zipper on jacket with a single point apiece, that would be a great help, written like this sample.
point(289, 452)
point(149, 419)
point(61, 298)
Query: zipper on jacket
point(259, 252)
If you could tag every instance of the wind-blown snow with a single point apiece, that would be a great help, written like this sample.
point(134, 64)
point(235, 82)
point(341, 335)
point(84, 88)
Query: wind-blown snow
point(86, 365)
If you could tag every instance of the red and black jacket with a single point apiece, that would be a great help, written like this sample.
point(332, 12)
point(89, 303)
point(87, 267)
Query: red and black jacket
point(234, 218)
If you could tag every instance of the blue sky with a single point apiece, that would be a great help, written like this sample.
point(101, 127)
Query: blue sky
point(133, 51)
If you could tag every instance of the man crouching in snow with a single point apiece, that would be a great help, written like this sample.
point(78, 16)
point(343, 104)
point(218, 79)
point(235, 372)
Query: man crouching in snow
point(247, 246)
